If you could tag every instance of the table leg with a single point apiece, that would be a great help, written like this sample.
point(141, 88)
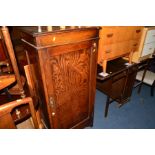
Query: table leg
point(107, 106)
point(104, 66)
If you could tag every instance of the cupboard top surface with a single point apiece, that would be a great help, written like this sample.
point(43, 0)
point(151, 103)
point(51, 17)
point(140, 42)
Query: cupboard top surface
point(33, 30)
point(57, 37)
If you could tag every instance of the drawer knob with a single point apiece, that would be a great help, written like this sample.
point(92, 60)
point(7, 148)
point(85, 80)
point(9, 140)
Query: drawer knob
point(137, 31)
point(109, 35)
point(108, 51)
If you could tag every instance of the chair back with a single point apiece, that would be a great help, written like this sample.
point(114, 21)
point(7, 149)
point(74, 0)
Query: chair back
point(9, 46)
point(6, 120)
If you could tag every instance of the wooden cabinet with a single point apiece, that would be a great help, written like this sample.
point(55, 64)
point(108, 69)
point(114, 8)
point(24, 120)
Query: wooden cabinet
point(146, 45)
point(117, 41)
point(65, 64)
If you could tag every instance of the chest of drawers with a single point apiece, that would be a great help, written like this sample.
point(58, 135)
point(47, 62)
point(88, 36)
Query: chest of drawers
point(146, 45)
point(117, 41)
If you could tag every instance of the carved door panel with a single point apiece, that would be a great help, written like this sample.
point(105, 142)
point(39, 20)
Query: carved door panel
point(70, 82)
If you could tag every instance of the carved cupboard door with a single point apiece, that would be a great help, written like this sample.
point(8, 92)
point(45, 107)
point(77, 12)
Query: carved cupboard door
point(70, 72)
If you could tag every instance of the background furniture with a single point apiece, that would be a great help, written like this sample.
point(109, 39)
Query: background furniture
point(146, 74)
point(6, 80)
point(117, 41)
point(4, 59)
point(147, 45)
point(11, 54)
point(6, 120)
point(119, 83)
point(15, 108)
point(148, 79)
point(18, 48)
point(3, 51)
point(64, 62)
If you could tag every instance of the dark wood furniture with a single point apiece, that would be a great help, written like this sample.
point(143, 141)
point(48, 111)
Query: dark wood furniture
point(6, 120)
point(119, 83)
point(65, 66)
point(18, 48)
point(11, 54)
point(11, 113)
point(4, 60)
point(6, 80)
point(3, 51)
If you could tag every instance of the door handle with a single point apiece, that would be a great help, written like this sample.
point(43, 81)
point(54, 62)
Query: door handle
point(137, 31)
point(108, 51)
point(109, 35)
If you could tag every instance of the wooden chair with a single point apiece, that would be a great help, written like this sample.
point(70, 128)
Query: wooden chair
point(5, 67)
point(11, 54)
point(5, 109)
point(6, 120)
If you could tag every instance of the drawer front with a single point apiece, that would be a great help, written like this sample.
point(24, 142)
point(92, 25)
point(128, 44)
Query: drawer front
point(107, 52)
point(148, 49)
point(125, 47)
point(150, 37)
point(124, 33)
point(137, 32)
point(115, 34)
point(108, 35)
point(116, 50)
